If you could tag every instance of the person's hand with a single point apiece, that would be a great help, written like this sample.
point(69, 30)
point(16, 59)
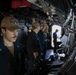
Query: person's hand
point(35, 54)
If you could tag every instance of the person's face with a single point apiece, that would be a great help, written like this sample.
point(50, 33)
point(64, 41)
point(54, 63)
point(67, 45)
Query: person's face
point(10, 36)
point(38, 28)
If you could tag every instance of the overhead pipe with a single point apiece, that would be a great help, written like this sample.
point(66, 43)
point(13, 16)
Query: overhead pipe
point(45, 6)
point(68, 18)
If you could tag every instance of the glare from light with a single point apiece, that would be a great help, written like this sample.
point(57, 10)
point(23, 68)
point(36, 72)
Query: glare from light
point(54, 27)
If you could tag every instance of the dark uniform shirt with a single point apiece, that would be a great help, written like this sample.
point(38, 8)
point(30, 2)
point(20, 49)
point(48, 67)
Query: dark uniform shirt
point(54, 36)
point(32, 45)
point(9, 64)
